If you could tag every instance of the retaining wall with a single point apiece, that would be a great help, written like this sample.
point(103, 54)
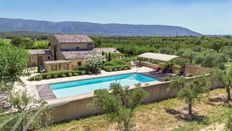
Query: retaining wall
point(82, 106)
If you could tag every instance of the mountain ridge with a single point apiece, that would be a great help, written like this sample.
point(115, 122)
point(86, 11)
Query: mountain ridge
point(90, 28)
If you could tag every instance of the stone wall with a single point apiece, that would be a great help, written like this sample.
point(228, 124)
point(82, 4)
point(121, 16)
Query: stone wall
point(196, 70)
point(72, 109)
point(33, 59)
point(63, 64)
point(81, 46)
point(57, 65)
point(75, 63)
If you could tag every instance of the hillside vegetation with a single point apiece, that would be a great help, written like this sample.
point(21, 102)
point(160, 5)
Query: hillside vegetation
point(73, 27)
point(203, 51)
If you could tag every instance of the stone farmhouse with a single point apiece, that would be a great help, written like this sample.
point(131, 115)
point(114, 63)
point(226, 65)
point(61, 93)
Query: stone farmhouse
point(66, 52)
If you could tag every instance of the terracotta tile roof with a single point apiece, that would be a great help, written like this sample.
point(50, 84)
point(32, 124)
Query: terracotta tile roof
point(72, 38)
point(82, 54)
point(40, 52)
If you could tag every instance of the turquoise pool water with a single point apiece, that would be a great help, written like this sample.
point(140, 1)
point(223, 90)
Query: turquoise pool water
point(86, 86)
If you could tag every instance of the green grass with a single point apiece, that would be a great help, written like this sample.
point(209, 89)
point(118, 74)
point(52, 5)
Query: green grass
point(215, 115)
point(228, 64)
point(154, 116)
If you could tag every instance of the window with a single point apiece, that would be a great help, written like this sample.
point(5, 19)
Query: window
point(66, 66)
point(77, 48)
point(90, 46)
point(60, 66)
point(54, 67)
point(79, 63)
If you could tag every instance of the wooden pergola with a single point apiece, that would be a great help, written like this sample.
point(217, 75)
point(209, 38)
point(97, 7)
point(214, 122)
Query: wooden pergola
point(157, 56)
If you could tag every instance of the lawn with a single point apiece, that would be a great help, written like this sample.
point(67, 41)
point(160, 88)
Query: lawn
point(211, 112)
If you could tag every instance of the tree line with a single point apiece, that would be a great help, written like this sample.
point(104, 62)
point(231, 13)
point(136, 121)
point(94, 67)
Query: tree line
point(203, 51)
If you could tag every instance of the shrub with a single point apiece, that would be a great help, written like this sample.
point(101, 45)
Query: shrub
point(116, 68)
point(115, 62)
point(82, 68)
point(63, 75)
point(70, 74)
point(48, 76)
point(40, 44)
point(81, 72)
point(54, 75)
point(116, 65)
point(94, 63)
point(75, 74)
point(57, 74)
point(38, 78)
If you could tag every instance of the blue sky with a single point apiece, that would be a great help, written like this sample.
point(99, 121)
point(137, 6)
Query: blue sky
point(205, 16)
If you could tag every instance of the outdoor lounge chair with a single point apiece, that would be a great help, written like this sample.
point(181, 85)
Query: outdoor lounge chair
point(132, 63)
point(182, 71)
point(156, 71)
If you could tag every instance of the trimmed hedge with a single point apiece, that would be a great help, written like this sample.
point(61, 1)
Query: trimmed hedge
point(57, 74)
point(116, 65)
point(116, 68)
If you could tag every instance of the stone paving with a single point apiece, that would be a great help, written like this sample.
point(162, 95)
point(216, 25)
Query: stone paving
point(45, 92)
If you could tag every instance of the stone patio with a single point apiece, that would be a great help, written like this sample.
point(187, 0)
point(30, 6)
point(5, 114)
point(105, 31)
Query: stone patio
point(45, 92)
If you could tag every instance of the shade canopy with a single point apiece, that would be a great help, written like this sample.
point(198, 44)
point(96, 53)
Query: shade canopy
point(157, 56)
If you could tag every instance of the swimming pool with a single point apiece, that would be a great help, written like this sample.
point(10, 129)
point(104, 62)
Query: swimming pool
point(81, 87)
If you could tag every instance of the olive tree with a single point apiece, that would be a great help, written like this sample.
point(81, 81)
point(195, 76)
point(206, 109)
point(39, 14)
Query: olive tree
point(13, 61)
point(94, 62)
point(208, 58)
point(224, 78)
point(190, 54)
point(120, 103)
point(29, 113)
point(189, 92)
point(216, 46)
point(22, 42)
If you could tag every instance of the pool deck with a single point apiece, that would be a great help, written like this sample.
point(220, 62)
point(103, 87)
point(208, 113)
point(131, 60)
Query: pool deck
point(45, 92)
point(40, 89)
